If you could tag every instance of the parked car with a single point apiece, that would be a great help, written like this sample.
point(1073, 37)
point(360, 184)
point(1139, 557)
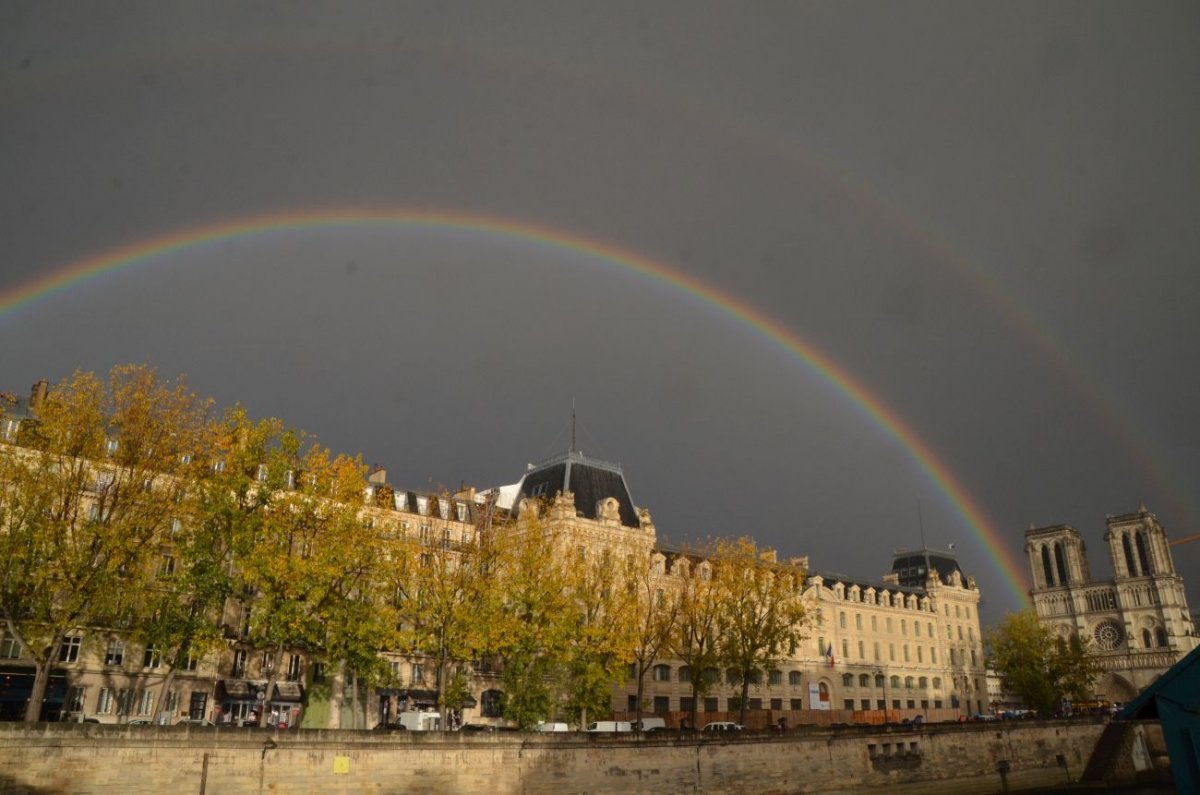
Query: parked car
point(722, 726)
point(652, 724)
point(552, 726)
point(139, 722)
point(194, 722)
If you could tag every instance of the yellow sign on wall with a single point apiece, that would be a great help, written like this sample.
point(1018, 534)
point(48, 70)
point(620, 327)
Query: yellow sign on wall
point(341, 765)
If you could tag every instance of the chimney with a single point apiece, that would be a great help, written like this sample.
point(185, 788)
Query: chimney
point(377, 474)
point(38, 393)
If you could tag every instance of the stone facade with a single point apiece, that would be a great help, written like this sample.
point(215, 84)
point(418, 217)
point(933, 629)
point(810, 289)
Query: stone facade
point(1138, 621)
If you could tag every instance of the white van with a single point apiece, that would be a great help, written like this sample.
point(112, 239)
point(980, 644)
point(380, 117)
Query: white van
point(652, 724)
point(553, 727)
point(419, 721)
point(610, 726)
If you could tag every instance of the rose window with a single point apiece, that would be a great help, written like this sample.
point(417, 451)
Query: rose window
point(1109, 635)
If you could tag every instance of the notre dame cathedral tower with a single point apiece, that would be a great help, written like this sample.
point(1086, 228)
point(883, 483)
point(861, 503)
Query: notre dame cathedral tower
point(1138, 621)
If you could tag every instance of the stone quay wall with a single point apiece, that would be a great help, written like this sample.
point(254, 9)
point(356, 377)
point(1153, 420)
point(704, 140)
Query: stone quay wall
point(47, 759)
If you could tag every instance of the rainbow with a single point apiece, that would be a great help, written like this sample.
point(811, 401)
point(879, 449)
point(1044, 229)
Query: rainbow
point(746, 315)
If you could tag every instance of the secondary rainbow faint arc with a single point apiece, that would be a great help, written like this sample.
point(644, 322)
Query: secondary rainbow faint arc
point(749, 316)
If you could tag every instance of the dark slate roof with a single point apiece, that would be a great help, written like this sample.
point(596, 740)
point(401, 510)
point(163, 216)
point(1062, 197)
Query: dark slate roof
point(589, 479)
point(910, 566)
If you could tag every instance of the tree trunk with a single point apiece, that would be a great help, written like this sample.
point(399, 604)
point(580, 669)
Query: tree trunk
point(37, 694)
point(745, 699)
point(354, 696)
point(637, 712)
point(163, 717)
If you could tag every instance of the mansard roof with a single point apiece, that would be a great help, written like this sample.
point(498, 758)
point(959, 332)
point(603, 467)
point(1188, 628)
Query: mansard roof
point(911, 566)
point(588, 479)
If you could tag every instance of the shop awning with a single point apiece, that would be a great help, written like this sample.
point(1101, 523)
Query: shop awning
point(420, 698)
point(236, 690)
point(287, 691)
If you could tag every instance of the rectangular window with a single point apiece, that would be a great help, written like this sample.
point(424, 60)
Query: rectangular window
point(685, 704)
point(151, 658)
point(10, 647)
point(797, 704)
point(418, 673)
point(892, 652)
point(710, 704)
point(239, 664)
point(905, 652)
point(146, 703)
point(172, 705)
point(294, 671)
point(104, 702)
point(166, 566)
point(631, 703)
point(268, 662)
point(917, 628)
point(920, 654)
point(858, 620)
point(933, 654)
point(845, 649)
point(876, 651)
point(848, 704)
point(874, 623)
point(866, 703)
point(842, 619)
point(69, 650)
point(777, 703)
point(862, 654)
point(775, 677)
point(115, 653)
point(198, 706)
point(124, 701)
point(662, 705)
point(318, 672)
point(889, 624)
point(75, 699)
point(903, 626)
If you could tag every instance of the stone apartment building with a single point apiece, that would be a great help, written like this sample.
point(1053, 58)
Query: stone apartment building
point(908, 641)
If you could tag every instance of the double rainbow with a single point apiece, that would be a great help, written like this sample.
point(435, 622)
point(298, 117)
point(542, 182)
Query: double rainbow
point(746, 315)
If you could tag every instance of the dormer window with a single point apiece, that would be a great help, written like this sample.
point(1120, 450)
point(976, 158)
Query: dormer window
point(261, 475)
point(400, 499)
point(110, 445)
point(9, 429)
point(423, 505)
point(461, 511)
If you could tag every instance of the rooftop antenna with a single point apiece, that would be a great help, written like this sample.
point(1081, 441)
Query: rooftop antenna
point(924, 546)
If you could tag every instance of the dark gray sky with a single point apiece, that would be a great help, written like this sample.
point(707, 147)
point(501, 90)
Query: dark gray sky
point(985, 213)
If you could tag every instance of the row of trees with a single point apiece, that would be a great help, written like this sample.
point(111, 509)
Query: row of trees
point(129, 504)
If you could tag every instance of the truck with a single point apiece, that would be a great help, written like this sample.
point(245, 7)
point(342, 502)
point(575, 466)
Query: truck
point(610, 726)
point(419, 721)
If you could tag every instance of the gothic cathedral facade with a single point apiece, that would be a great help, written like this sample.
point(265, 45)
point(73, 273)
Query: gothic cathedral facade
point(1137, 622)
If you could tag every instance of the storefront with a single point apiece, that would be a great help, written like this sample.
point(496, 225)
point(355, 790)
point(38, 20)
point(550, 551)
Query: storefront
point(284, 708)
point(244, 702)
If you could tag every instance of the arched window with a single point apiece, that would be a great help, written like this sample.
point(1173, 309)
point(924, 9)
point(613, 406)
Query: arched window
point(793, 677)
point(864, 680)
point(662, 673)
point(732, 677)
point(755, 677)
point(1160, 634)
point(879, 680)
point(937, 683)
point(1142, 554)
point(1146, 638)
point(1047, 571)
point(1061, 562)
point(908, 682)
point(712, 676)
point(491, 703)
point(1130, 563)
point(923, 682)
point(775, 677)
point(895, 681)
point(685, 674)
point(847, 680)
point(823, 691)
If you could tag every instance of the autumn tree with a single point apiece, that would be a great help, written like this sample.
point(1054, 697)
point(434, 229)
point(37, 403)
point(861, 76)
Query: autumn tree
point(694, 641)
point(304, 568)
point(532, 629)
point(656, 610)
point(598, 646)
point(1039, 665)
point(441, 592)
point(86, 504)
point(761, 617)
